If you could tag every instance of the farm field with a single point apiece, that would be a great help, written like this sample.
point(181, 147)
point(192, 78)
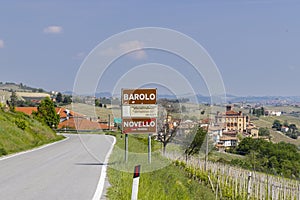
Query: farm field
point(277, 136)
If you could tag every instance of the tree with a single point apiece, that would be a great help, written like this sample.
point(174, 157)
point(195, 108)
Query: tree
point(197, 142)
point(67, 99)
point(293, 128)
point(263, 131)
point(262, 110)
point(280, 158)
point(13, 100)
point(277, 125)
point(59, 97)
point(167, 132)
point(46, 113)
point(97, 102)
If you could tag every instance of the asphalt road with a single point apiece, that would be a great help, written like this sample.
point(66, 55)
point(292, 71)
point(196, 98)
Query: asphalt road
point(68, 170)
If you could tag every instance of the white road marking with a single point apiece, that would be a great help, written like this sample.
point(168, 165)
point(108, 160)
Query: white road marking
point(100, 186)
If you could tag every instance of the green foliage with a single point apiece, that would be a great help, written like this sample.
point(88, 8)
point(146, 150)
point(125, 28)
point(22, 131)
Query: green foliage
point(21, 123)
point(101, 102)
point(13, 101)
point(257, 111)
point(15, 137)
point(59, 97)
point(97, 102)
point(263, 131)
point(167, 183)
point(2, 152)
point(292, 128)
point(67, 99)
point(277, 125)
point(281, 158)
point(197, 142)
point(46, 113)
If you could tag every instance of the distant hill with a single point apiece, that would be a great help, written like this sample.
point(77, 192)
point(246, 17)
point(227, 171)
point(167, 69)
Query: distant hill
point(229, 98)
point(10, 86)
point(24, 93)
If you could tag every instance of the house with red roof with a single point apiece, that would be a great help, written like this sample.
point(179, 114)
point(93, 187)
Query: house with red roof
point(70, 119)
point(232, 120)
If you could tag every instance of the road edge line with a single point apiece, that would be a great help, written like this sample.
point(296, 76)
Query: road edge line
point(32, 150)
point(100, 186)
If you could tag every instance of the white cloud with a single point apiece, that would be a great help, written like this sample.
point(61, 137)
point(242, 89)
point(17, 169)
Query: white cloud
point(134, 45)
point(1, 44)
point(53, 29)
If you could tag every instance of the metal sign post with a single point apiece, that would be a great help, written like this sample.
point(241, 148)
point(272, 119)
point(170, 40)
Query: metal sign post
point(149, 148)
point(139, 112)
point(126, 148)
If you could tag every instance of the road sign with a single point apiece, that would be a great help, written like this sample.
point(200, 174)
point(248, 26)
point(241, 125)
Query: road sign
point(139, 125)
point(139, 110)
point(139, 96)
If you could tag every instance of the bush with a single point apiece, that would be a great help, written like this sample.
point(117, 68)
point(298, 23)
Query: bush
point(21, 123)
point(2, 152)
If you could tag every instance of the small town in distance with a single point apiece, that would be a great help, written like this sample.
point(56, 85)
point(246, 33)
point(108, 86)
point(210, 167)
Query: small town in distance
point(244, 141)
point(150, 100)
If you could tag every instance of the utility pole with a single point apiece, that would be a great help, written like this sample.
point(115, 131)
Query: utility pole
point(109, 122)
point(206, 148)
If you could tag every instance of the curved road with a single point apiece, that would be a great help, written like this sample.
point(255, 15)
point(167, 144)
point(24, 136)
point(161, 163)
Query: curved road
point(69, 169)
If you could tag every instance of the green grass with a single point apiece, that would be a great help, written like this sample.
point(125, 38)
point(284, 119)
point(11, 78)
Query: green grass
point(216, 156)
point(15, 139)
point(159, 180)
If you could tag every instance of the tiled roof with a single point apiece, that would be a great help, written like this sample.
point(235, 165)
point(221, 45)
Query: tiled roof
point(61, 111)
point(227, 138)
point(26, 110)
point(231, 112)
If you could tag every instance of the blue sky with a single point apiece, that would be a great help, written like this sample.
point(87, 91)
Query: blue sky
point(254, 43)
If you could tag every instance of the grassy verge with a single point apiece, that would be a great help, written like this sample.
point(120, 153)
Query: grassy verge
point(19, 132)
point(168, 182)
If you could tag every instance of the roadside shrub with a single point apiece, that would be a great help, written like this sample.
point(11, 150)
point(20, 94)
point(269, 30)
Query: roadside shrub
point(2, 152)
point(21, 123)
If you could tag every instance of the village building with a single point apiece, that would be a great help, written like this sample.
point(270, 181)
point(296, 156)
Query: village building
point(232, 120)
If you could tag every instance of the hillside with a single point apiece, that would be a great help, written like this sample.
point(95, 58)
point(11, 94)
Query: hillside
point(18, 87)
point(19, 132)
point(24, 93)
